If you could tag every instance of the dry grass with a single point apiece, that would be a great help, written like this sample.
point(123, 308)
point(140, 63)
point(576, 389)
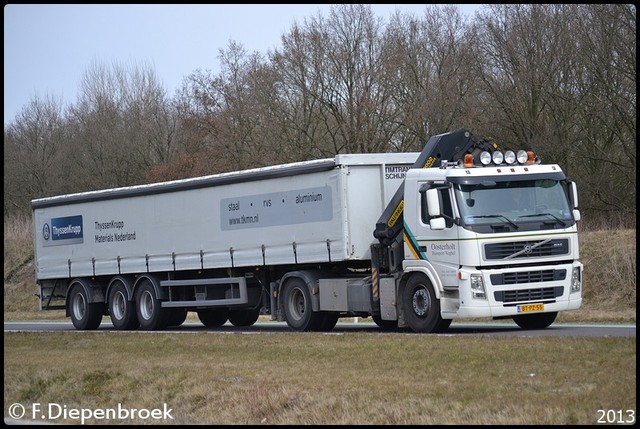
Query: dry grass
point(609, 257)
point(313, 378)
point(18, 244)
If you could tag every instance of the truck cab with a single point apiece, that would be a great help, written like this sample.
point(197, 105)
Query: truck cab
point(492, 235)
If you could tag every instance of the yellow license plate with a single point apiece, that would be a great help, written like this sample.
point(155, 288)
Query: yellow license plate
point(525, 308)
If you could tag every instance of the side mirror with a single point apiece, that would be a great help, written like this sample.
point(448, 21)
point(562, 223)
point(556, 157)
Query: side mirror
point(433, 202)
point(437, 223)
point(574, 194)
point(576, 214)
point(434, 207)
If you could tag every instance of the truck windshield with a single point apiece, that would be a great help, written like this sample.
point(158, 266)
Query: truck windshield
point(516, 205)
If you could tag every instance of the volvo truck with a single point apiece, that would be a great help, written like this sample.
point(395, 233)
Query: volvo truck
point(461, 230)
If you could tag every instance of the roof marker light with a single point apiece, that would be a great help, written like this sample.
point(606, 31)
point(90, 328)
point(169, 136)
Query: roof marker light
point(485, 157)
point(497, 157)
point(509, 157)
point(522, 156)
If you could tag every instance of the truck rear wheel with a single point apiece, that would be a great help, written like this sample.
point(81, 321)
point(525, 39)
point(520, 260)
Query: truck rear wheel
point(421, 306)
point(535, 321)
point(329, 321)
point(121, 310)
point(151, 314)
point(213, 317)
point(385, 325)
point(244, 317)
point(85, 315)
point(298, 311)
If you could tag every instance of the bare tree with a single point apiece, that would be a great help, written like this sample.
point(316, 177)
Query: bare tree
point(607, 37)
point(429, 68)
point(562, 78)
point(304, 134)
point(33, 161)
point(122, 126)
point(228, 109)
point(352, 103)
point(332, 87)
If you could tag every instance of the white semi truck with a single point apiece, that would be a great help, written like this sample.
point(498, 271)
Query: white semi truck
point(414, 240)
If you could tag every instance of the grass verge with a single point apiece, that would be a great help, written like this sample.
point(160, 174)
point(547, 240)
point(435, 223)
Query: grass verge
point(313, 378)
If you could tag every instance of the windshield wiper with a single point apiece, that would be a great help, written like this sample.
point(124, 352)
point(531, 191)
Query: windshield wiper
point(560, 221)
point(498, 216)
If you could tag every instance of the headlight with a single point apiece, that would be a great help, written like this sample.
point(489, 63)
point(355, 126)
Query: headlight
point(576, 282)
point(477, 286)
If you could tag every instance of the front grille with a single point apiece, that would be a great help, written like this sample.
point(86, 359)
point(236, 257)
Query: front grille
point(526, 249)
point(528, 294)
point(528, 277)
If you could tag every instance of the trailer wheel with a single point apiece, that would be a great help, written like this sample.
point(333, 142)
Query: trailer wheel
point(176, 316)
point(213, 317)
point(151, 314)
point(85, 315)
point(297, 307)
point(121, 310)
point(244, 317)
point(535, 321)
point(421, 307)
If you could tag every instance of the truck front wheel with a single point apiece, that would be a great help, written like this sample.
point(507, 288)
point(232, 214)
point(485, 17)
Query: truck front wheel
point(121, 310)
point(149, 308)
point(297, 307)
point(422, 307)
point(85, 315)
point(535, 321)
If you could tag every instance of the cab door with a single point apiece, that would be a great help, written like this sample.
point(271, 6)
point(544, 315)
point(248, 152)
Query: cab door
point(438, 247)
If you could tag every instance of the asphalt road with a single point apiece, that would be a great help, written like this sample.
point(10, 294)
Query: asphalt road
point(456, 328)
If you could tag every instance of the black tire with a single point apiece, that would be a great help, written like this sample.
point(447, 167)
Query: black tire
point(329, 321)
point(213, 317)
point(86, 316)
point(176, 316)
point(121, 310)
point(385, 325)
point(535, 321)
point(151, 315)
point(244, 317)
point(421, 307)
point(443, 325)
point(298, 311)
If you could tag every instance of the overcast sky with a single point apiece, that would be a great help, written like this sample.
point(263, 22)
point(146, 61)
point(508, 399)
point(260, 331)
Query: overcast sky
point(48, 48)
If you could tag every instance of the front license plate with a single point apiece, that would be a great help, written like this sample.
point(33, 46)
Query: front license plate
point(530, 307)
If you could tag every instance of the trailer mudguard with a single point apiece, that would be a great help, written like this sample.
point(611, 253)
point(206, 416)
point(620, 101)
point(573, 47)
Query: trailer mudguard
point(311, 280)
